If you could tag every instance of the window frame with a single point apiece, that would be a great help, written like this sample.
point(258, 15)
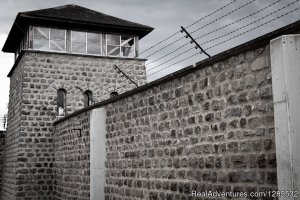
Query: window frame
point(65, 47)
point(86, 43)
point(68, 43)
point(49, 39)
point(87, 95)
point(64, 92)
point(120, 46)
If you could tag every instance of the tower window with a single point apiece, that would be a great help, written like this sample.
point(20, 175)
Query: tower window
point(61, 102)
point(49, 39)
point(86, 43)
point(120, 45)
point(57, 40)
point(60, 40)
point(113, 94)
point(88, 98)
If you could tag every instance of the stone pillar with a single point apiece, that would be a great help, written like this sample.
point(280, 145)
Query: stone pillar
point(97, 153)
point(285, 64)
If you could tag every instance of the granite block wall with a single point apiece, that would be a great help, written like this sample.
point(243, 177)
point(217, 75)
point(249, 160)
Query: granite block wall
point(2, 144)
point(71, 167)
point(29, 150)
point(12, 157)
point(210, 130)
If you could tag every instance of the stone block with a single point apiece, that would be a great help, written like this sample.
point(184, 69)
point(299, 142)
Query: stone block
point(258, 64)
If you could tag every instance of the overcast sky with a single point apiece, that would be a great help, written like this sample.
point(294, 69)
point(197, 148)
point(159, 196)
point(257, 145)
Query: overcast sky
point(166, 16)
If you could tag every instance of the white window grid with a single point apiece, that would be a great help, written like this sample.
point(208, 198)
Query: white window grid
point(120, 46)
point(49, 39)
point(86, 43)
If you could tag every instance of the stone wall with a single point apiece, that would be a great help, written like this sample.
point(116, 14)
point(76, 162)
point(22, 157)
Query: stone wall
point(2, 144)
point(12, 159)
point(72, 158)
point(32, 110)
point(210, 130)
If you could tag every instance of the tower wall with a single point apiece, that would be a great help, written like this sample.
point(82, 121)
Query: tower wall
point(2, 144)
point(11, 160)
point(32, 110)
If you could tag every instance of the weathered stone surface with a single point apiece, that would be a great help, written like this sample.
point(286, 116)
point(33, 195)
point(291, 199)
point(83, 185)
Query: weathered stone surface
point(211, 129)
point(238, 161)
point(51, 168)
point(258, 63)
point(220, 129)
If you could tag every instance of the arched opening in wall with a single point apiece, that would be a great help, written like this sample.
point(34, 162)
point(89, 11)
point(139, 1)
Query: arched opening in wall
point(113, 94)
point(61, 102)
point(88, 98)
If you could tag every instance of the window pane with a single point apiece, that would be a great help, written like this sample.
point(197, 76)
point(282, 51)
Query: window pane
point(93, 38)
point(127, 41)
point(41, 32)
point(41, 44)
point(61, 102)
point(57, 34)
point(88, 98)
point(78, 47)
point(113, 50)
point(61, 98)
point(78, 36)
point(113, 39)
point(57, 45)
point(93, 48)
point(127, 51)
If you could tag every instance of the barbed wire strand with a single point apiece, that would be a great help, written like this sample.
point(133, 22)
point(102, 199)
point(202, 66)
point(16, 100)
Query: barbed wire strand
point(253, 28)
point(219, 37)
point(249, 24)
point(262, 9)
point(180, 47)
point(228, 39)
point(227, 14)
point(174, 63)
point(241, 19)
point(172, 35)
point(174, 57)
point(219, 18)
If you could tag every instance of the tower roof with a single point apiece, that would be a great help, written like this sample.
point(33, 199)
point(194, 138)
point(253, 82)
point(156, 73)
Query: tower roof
point(71, 17)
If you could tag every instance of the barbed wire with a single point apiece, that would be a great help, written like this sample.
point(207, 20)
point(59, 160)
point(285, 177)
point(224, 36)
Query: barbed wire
point(172, 35)
point(174, 57)
point(224, 41)
point(211, 40)
point(249, 24)
point(227, 14)
point(253, 28)
point(219, 18)
point(180, 47)
point(241, 19)
point(154, 53)
point(175, 63)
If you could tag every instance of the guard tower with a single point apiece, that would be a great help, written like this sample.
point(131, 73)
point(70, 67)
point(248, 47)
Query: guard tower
point(65, 60)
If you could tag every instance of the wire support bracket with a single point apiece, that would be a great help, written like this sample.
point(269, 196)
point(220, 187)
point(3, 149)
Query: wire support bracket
point(126, 76)
point(81, 90)
point(194, 41)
